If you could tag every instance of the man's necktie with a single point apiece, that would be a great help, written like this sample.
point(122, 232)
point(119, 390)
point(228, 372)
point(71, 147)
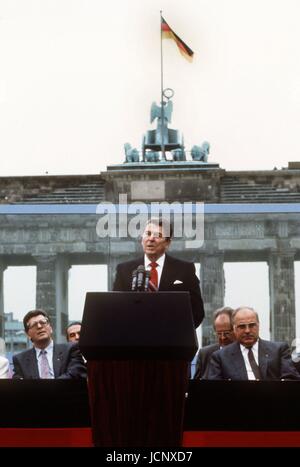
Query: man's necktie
point(154, 274)
point(45, 369)
point(253, 364)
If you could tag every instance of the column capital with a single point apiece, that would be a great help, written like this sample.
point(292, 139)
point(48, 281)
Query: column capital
point(44, 258)
point(287, 253)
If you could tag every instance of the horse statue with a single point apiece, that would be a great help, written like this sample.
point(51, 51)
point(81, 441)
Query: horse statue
point(200, 153)
point(178, 154)
point(131, 154)
point(152, 156)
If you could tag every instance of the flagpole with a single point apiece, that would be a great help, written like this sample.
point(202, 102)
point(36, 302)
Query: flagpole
point(163, 153)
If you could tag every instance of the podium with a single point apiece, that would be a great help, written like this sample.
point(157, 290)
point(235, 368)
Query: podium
point(138, 347)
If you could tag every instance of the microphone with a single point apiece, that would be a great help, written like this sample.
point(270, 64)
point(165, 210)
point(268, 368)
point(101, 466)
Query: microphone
point(147, 279)
point(140, 277)
point(134, 280)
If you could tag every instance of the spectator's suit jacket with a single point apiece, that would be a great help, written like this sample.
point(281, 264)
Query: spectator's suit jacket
point(274, 360)
point(203, 358)
point(67, 363)
point(173, 270)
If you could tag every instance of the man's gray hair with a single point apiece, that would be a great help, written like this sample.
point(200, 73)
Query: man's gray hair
point(244, 308)
point(225, 310)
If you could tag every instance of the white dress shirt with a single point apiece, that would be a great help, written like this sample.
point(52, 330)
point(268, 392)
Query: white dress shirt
point(245, 351)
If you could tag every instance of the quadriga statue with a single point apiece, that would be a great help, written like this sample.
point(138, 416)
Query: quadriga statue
point(200, 153)
point(131, 154)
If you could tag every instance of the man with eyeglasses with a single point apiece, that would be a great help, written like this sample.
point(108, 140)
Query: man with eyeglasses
point(46, 360)
point(250, 357)
point(224, 332)
point(166, 272)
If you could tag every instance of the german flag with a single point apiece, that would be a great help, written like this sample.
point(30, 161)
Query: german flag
point(170, 34)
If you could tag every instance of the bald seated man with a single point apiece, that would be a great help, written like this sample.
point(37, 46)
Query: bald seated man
point(250, 357)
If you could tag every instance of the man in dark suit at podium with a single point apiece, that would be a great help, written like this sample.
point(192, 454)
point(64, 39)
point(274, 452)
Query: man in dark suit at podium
point(166, 272)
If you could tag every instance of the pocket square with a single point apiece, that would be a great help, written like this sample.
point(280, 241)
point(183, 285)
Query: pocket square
point(177, 282)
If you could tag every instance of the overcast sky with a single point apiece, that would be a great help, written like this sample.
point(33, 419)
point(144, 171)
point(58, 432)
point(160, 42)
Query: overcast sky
point(77, 79)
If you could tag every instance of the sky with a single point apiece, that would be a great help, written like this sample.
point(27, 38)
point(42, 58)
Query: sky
point(78, 77)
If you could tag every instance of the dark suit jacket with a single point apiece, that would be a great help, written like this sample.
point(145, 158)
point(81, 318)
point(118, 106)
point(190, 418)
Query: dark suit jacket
point(67, 363)
point(203, 358)
point(174, 269)
point(274, 360)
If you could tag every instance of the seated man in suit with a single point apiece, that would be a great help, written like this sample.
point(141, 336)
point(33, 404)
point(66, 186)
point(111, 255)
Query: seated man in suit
point(223, 328)
point(46, 359)
point(166, 272)
point(73, 331)
point(250, 357)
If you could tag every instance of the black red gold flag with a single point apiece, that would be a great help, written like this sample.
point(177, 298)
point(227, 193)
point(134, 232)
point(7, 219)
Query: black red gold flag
point(169, 33)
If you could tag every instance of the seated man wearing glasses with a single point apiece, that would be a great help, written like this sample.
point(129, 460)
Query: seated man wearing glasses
point(224, 331)
point(249, 357)
point(46, 360)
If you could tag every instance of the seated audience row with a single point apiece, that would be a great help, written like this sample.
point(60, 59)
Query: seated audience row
point(242, 354)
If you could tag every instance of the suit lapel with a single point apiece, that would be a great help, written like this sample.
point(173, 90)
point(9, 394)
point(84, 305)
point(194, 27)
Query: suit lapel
point(31, 362)
point(167, 274)
point(238, 361)
point(57, 360)
point(263, 357)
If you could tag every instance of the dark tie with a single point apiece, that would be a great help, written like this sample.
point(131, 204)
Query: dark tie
point(45, 369)
point(253, 364)
point(154, 274)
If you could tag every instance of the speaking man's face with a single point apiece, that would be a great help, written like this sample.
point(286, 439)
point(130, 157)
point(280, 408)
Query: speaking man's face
point(154, 243)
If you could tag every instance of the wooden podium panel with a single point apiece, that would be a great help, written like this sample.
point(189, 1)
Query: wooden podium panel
point(138, 347)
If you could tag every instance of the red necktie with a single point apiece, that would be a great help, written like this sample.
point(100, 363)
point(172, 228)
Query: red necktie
point(154, 274)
